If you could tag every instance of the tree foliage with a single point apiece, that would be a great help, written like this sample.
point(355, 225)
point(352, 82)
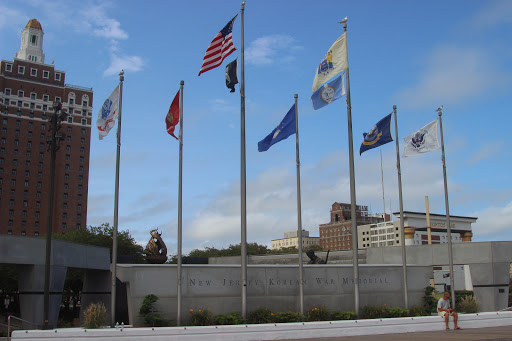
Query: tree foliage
point(103, 236)
point(235, 250)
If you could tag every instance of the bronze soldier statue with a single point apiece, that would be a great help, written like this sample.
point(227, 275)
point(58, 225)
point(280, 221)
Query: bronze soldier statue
point(314, 259)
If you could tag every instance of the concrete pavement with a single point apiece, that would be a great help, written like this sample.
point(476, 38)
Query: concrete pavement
point(493, 333)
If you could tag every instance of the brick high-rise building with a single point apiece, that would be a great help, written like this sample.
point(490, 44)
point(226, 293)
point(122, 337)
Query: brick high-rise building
point(337, 234)
point(28, 88)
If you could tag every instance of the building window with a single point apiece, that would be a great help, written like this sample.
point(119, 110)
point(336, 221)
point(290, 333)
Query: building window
point(41, 155)
point(38, 204)
point(33, 72)
point(39, 184)
point(41, 145)
point(27, 173)
point(78, 216)
point(68, 148)
point(20, 104)
point(66, 186)
point(46, 74)
point(81, 159)
point(36, 234)
point(85, 103)
point(84, 112)
point(40, 165)
point(78, 226)
point(38, 195)
point(40, 175)
point(64, 225)
point(11, 212)
point(8, 67)
point(71, 101)
point(20, 93)
point(57, 76)
point(43, 116)
point(45, 108)
point(79, 207)
point(25, 203)
point(32, 106)
point(38, 214)
point(21, 70)
point(43, 126)
point(57, 99)
point(36, 224)
point(23, 233)
point(82, 140)
point(84, 121)
point(24, 213)
point(79, 196)
point(83, 131)
point(64, 215)
point(65, 195)
point(70, 119)
point(33, 95)
point(65, 206)
point(82, 149)
point(68, 138)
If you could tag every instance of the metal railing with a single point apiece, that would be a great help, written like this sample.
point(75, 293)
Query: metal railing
point(19, 319)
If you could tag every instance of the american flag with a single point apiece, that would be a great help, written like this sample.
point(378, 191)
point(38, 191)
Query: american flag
point(220, 47)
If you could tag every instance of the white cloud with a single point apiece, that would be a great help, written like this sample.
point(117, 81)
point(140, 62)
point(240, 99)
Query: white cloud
point(493, 220)
point(126, 63)
point(10, 17)
point(496, 13)
point(452, 74)
point(485, 151)
point(103, 26)
point(270, 49)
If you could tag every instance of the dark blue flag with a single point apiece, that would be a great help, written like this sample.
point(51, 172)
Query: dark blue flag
point(281, 132)
point(380, 134)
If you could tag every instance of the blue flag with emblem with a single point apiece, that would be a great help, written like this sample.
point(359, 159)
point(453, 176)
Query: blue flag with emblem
point(380, 134)
point(281, 132)
point(328, 92)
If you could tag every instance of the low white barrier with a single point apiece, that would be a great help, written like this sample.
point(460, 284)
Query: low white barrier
point(277, 331)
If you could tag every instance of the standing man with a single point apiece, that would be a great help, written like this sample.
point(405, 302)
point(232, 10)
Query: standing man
point(443, 309)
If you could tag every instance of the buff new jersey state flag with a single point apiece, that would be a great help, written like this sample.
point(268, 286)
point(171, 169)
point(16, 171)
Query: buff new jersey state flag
point(108, 114)
point(423, 141)
point(173, 115)
point(377, 136)
point(281, 132)
point(334, 62)
point(328, 92)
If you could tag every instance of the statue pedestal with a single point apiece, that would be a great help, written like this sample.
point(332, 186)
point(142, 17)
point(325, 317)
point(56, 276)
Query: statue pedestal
point(160, 259)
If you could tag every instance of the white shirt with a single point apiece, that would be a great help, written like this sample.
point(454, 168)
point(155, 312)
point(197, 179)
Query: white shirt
point(443, 304)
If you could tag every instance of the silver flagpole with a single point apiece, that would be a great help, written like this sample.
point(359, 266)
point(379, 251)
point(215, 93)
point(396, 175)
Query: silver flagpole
point(353, 212)
point(180, 208)
point(116, 207)
point(243, 243)
point(299, 209)
point(448, 227)
point(382, 177)
point(402, 232)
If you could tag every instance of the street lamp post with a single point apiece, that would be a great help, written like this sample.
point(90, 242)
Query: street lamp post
point(52, 141)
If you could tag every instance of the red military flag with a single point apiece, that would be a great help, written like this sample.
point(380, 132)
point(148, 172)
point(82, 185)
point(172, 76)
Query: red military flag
point(220, 47)
point(173, 116)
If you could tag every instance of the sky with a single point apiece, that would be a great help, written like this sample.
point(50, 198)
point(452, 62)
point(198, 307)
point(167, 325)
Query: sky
point(417, 55)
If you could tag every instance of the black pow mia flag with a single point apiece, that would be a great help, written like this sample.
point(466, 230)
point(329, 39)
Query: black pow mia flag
point(231, 78)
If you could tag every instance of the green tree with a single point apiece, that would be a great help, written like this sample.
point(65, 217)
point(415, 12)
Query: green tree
point(103, 236)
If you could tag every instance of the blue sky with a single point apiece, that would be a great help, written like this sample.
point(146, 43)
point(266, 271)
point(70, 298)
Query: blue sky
point(416, 55)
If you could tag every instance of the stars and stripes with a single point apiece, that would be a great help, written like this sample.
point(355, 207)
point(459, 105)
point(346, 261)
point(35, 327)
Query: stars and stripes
point(220, 47)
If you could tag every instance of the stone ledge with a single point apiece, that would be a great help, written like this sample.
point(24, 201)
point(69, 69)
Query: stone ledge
point(273, 331)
